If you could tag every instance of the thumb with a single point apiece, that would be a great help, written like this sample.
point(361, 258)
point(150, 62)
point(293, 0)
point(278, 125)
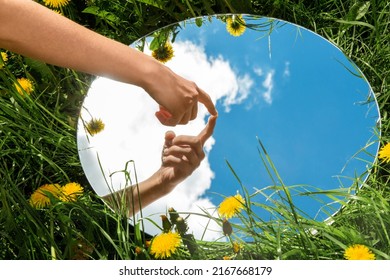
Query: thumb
point(169, 135)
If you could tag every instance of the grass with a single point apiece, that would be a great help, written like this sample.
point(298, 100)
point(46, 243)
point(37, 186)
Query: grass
point(38, 146)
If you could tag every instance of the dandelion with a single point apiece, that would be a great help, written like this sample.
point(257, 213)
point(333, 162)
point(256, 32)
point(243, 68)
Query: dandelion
point(226, 258)
point(138, 250)
point(384, 153)
point(24, 85)
point(71, 191)
point(163, 53)
point(166, 224)
point(4, 58)
point(237, 247)
point(227, 227)
point(358, 252)
point(56, 3)
point(235, 25)
point(95, 126)
point(148, 243)
point(181, 226)
point(231, 206)
point(41, 197)
point(165, 244)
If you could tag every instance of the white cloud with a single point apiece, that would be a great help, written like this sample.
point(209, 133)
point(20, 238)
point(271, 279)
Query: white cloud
point(258, 71)
point(268, 84)
point(133, 133)
point(286, 72)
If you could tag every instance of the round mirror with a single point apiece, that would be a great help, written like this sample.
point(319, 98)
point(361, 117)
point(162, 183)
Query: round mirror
point(293, 111)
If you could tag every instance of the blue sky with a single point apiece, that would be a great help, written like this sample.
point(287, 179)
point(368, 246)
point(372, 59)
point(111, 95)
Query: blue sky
point(291, 90)
point(311, 124)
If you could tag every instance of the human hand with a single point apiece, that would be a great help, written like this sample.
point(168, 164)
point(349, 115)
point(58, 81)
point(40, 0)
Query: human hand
point(182, 155)
point(178, 97)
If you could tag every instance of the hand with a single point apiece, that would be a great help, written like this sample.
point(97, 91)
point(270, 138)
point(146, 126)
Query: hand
point(182, 155)
point(178, 98)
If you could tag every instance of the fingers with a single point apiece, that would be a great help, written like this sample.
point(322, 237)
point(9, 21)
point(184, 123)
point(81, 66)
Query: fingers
point(187, 111)
point(208, 130)
point(169, 135)
point(186, 149)
point(205, 99)
point(165, 117)
point(179, 155)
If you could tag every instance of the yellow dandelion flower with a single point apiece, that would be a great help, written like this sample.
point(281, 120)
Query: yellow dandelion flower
point(165, 244)
point(147, 243)
point(24, 85)
point(163, 53)
point(95, 126)
point(384, 153)
point(71, 191)
point(235, 25)
point(58, 12)
point(4, 58)
point(358, 252)
point(56, 3)
point(226, 258)
point(41, 197)
point(231, 206)
point(237, 247)
point(138, 250)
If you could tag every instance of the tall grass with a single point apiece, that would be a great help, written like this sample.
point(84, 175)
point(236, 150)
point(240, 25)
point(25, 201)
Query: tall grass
point(38, 146)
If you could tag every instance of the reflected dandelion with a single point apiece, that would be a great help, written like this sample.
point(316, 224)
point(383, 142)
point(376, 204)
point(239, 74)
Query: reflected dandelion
point(235, 25)
point(163, 53)
point(95, 126)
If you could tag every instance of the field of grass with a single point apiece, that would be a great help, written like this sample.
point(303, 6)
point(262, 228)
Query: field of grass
point(38, 147)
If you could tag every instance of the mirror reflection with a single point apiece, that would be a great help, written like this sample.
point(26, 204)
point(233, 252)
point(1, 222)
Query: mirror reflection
point(293, 111)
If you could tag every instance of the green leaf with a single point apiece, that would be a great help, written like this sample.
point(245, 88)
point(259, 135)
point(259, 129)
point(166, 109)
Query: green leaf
point(356, 23)
point(40, 67)
point(363, 9)
point(154, 3)
point(93, 10)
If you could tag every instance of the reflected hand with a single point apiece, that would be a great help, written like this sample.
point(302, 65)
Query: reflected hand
point(182, 155)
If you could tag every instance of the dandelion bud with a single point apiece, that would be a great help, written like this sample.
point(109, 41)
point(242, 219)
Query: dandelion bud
point(165, 223)
point(181, 226)
point(138, 250)
point(227, 227)
point(173, 215)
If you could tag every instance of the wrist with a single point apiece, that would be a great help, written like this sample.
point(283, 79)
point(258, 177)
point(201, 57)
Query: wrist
point(163, 184)
point(148, 71)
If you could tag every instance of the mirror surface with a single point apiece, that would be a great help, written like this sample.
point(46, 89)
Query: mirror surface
point(277, 84)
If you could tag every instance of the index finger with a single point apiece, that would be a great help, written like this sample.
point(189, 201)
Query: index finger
point(208, 130)
point(205, 99)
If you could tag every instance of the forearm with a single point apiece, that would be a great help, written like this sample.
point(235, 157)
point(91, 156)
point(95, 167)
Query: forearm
point(130, 200)
point(30, 29)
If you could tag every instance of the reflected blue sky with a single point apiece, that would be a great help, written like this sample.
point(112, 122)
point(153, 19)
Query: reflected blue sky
point(313, 122)
point(290, 89)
